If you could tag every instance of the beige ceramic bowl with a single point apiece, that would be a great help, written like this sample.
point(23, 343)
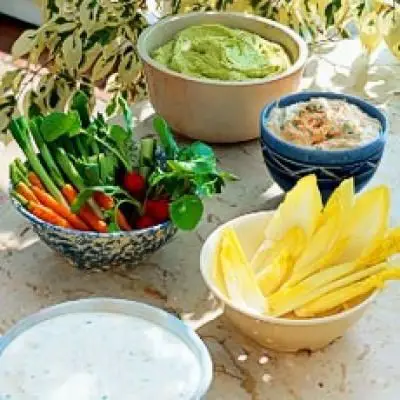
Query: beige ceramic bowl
point(280, 334)
point(210, 110)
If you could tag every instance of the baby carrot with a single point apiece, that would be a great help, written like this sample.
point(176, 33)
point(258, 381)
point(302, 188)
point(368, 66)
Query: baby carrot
point(85, 212)
point(103, 200)
point(92, 219)
point(48, 215)
point(41, 211)
point(107, 202)
point(69, 192)
point(26, 192)
point(34, 180)
point(122, 221)
point(49, 201)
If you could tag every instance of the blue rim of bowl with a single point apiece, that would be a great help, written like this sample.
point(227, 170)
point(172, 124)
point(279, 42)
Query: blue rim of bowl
point(20, 208)
point(297, 65)
point(325, 157)
point(171, 323)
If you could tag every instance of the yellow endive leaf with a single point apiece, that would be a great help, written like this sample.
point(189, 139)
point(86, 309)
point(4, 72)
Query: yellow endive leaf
point(272, 277)
point(302, 207)
point(286, 299)
point(345, 281)
point(294, 241)
point(383, 249)
point(367, 224)
point(318, 250)
point(347, 293)
point(217, 272)
point(289, 299)
point(327, 243)
point(342, 197)
point(240, 281)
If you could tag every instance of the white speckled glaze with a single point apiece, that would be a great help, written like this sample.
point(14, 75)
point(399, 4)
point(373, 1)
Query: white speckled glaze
point(92, 250)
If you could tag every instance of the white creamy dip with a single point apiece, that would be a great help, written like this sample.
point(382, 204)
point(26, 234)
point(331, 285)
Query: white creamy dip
point(98, 356)
point(323, 123)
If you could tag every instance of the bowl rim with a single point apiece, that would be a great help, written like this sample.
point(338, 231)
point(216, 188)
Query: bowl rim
point(155, 315)
point(295, 67)
point(205, 272)
point(293, 150)
point(110, 235)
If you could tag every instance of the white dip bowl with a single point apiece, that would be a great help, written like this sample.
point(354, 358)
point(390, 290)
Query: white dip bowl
point(103, 349)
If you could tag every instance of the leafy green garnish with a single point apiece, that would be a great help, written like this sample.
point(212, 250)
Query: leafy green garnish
point(167, 140)
point(58, 124)
point(188, 173)
point(186, 212)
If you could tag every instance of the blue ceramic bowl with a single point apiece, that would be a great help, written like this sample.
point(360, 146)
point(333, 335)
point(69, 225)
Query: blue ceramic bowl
point(287, 163)
point(92, 250)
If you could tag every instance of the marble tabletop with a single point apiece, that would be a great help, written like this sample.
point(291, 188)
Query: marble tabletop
point(362, 365)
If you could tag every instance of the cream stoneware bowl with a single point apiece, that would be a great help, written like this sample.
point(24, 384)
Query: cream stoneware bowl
point(279, 334)
point(211, 110)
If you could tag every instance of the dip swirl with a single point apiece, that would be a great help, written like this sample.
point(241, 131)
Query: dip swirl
point(222, 53)
point(322, 123)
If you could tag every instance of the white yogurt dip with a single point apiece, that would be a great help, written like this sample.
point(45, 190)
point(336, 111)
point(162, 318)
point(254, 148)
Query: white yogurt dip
point(98, 356)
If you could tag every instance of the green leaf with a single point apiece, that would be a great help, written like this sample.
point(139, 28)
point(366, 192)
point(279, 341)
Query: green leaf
point(58, 124)
point(33, 111)
point(207, 185)
point(198, 149)
point(199, 166)
point(102, 36)
point(167, 140)
point(113, 227)
point(80, 103)
point(91, 173)
point(186, 212)
point(127, 113)
point(112, 107)
point(107, 165)
point(119, 134)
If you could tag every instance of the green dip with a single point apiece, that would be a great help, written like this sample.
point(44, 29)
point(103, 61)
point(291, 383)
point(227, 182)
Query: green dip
point(219, 52)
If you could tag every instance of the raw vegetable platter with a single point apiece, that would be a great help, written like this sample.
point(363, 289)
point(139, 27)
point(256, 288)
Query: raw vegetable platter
point(87, 174)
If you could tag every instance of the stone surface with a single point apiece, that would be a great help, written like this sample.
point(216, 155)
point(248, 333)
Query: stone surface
point(362, 365)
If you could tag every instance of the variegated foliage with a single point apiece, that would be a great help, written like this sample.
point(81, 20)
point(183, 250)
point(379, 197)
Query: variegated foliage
point(83, 43)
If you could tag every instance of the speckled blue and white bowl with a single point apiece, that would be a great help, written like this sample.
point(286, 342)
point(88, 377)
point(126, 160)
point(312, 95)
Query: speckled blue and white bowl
point(92, 250)
point(287, 163)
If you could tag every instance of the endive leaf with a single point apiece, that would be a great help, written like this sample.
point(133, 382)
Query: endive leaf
point(293, 241)
point(367, 224)
point(383, 249)
point(217, 272)
point(327, 243)
point(240, 281)
point(272, 277)
point(347, 293)
point(318, 250)
point(289, 299)
point(302, 207)
point(347, 280)
point(342, 197)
